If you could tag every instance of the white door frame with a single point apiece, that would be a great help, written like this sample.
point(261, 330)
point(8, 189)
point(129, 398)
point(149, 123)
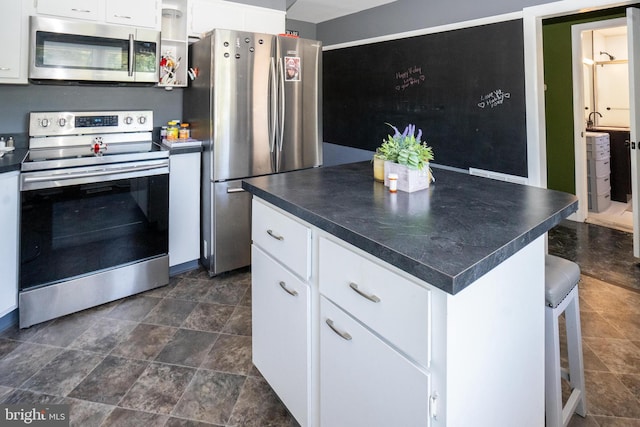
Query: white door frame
point(579, 123)
point(534, 76)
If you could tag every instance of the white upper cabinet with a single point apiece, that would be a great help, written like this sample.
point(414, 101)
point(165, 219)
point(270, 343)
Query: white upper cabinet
point(139, 13)
point(80, 9)
point(205, 15)
point(13, 61)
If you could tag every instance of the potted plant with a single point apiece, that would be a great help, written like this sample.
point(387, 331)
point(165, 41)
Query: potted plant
point(408, 156)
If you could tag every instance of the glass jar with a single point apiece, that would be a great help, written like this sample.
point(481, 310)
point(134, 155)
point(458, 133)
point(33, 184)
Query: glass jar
point(184, 132)
point(172, 131)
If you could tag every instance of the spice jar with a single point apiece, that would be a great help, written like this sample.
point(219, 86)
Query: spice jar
point(393, 182)
point(184, 131)
point(172, 130)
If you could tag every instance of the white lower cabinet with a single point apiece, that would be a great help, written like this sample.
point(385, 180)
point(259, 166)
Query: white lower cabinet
point(362, 343)
point(280, 319)
point(184, 208)
point(363, 381)
point(9, 226)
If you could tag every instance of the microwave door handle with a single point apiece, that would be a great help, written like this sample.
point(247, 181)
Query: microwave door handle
point(131, 54)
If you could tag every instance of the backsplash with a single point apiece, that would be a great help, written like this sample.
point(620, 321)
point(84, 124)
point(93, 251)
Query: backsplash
point(17, 101)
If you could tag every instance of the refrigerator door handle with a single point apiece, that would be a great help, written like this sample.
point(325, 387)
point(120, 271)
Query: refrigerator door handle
point(281, 111)
point(273, 105)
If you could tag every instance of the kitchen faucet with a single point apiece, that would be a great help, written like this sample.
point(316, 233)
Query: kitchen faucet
point(590, 122)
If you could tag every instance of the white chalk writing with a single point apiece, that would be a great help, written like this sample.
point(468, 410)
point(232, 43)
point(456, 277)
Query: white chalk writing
point(410, 77)
point(493, 99)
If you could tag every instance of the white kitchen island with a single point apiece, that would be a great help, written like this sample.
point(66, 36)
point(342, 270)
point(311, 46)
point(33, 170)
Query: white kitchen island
point(421, 309)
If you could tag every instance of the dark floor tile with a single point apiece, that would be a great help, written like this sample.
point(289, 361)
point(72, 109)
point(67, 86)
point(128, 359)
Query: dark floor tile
point(27, 359)
point(187, 348)
point(158, 388)
point(4, 391)
point(109, 381)
point(606, 395)
point(230, 353)
point(191, 289)
point(17, 334)
point(180, 422)
point(594, 325)
point(63, 373)
point(210, 397)
point(240, 322)
point(606, 298)
point(628, 323)
point(162, 291)
point(120, 417)
point(246, 299)
point(619, 355)
point(632, 382)
point(144, 342)
point(259, 406)
point(578, 421)
point(209, 317)
point(63, 331)
point(616, 422)
point(593, 247)
point(170, 312)
point(83, 413)
point(7, 346)
point(103, 335)
point(591, 362)
point(229, 289)
point(133, 308)
point(27, 396)
point(102, 309)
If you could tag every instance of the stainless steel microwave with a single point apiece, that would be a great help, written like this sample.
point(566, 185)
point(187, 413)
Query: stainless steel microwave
point(62, 50)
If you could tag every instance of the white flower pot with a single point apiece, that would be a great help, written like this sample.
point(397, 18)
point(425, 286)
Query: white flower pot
point(409, 180)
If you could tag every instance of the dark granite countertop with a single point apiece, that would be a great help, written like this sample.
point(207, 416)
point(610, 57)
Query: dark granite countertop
point(448, 235)
point(11, 161)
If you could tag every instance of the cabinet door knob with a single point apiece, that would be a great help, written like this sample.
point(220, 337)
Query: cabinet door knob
point(342, 334)
point(291, 292)
point(370, 297)
point(274, 235)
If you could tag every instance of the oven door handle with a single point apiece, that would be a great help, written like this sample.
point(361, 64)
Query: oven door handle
point(89, 174)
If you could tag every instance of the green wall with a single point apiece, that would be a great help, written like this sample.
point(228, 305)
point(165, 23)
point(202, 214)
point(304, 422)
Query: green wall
point(558, 79)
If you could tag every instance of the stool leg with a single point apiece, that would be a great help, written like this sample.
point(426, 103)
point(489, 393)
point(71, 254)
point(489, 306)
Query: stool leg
point(553, 391)
point(574, 347)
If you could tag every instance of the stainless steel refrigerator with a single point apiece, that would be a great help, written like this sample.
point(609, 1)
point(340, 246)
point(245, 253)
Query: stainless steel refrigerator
point(256, 103)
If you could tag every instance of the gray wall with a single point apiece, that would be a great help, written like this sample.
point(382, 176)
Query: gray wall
point(408, 15)
point(16, 101)
point(305, 30)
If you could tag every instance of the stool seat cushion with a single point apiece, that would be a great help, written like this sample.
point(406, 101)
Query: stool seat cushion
point(560, 276)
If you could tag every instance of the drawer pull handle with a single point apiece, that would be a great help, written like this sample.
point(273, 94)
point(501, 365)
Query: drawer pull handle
point(370, 297)
point(291, 292)
point(342, 334)
point(81, 10)
point(274, 235)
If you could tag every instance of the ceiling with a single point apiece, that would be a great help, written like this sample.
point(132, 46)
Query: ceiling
point(316, 11)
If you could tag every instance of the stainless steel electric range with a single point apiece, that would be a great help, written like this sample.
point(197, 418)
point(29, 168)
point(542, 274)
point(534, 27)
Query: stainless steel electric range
point(94, 212)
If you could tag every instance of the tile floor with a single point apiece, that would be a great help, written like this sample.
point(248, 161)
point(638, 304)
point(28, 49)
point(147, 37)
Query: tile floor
point(174, 356)
point(181, 355)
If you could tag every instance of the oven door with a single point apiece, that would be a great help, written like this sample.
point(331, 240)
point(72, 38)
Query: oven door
point(77, 222)
point(86, 51)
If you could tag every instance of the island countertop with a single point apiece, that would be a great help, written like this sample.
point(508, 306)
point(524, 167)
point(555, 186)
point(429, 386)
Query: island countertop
point(448, 235)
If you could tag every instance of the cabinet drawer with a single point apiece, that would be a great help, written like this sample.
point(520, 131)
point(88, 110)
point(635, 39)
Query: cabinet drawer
point(280, 330)
point(394, 307)
point(364, 381)
point(282, 237)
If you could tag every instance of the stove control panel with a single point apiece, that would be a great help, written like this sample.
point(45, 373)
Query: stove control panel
point(86, 123)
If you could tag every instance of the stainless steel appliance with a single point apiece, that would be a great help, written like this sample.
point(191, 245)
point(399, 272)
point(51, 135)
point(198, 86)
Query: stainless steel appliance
point(94, 201)
point(62, 50)
point(256, 105)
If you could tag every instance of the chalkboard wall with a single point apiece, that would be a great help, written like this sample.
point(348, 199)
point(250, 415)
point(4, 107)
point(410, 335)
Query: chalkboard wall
point(464, 88)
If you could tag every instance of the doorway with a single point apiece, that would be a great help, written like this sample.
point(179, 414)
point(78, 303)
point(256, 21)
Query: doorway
point(601, 119)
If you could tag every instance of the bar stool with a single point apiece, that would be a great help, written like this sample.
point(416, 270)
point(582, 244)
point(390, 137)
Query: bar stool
point(561, 295)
